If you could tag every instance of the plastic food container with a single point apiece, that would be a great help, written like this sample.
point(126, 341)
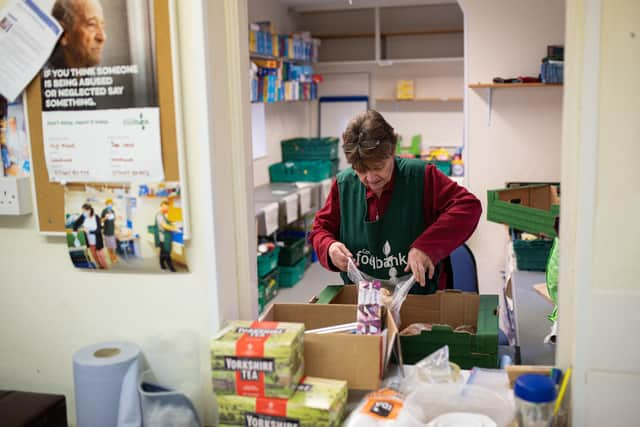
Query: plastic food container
point(535, 400)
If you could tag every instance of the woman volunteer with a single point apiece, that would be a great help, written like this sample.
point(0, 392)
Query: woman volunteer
point(390, 215)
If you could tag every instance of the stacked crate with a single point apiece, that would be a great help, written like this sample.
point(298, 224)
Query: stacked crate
point(306, 159)
point(268, 276)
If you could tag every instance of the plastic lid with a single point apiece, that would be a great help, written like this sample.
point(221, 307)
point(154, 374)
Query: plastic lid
point(535, 388)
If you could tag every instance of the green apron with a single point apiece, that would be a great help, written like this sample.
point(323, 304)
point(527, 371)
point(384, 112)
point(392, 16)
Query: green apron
point(168, 236)
point(381, 247)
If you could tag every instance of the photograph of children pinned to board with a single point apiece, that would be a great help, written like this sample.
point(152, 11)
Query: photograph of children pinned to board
point(14, 144)
point(136, 228)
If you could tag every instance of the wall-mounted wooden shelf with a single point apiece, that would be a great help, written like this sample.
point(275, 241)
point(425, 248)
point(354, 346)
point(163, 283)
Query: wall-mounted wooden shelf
point(284, 101)
point(390, 62)
point(511, 85)
point(492, 86)
point(432, 99)
point(344, 36)
point(260, 56)
point(388, 34)
point(422, 32)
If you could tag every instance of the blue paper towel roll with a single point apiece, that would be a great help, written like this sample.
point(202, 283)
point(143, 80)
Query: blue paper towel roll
point(105, 377)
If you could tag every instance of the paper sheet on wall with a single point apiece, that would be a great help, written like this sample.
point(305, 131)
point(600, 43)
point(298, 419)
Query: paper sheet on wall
point(27, 37)
point(124, 145)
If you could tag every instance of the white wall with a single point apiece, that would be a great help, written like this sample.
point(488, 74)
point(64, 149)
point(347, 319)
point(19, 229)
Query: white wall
point(439, 123)
point(599, 292)
point(48, 309)
point(283, 120)
point(272, 10)
point(507, 39)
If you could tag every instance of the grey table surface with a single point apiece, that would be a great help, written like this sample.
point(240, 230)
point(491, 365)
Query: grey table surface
point(273, 192)
point(532, 325)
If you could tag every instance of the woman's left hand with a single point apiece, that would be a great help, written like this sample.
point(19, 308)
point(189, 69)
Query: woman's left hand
point(420, 265)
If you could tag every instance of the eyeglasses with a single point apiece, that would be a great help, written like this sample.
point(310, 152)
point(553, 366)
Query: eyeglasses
point(362, 145)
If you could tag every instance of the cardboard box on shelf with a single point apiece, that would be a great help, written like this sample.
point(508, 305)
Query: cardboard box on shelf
point(361, 360)
point(445, 311)
point(530, 208)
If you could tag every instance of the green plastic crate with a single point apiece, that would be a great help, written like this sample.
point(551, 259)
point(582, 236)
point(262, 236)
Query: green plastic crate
point(302, 170)
point(443, 166)
point(292, 251)
point(467, 350)
point(290, 276)
point(268, 288)
point(309, 149)
point(531, 208)
point(532, 255)
point(268, 261)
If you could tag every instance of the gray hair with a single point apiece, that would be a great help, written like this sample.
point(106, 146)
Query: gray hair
point(64, 12)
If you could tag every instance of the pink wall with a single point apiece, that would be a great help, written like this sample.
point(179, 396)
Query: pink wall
point(508, 38)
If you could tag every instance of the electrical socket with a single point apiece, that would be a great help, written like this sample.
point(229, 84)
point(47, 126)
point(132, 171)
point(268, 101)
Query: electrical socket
point(15, 196)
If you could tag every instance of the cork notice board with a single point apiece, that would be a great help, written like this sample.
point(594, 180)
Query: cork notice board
point(50, 196)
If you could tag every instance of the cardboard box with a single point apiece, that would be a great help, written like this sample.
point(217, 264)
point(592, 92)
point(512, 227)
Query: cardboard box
point(531, 208)
point(361, 360)
point(446, 310)
point(316, 402)
point(257, 359)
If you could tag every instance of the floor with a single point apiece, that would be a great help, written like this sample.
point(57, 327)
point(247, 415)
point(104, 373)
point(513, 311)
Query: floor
point(315, 280)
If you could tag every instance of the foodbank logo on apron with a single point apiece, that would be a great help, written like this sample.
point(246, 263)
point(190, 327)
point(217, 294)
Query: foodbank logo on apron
point(389, 261)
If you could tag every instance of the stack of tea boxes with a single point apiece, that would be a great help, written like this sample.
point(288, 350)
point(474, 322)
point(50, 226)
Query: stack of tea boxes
point(258, 378)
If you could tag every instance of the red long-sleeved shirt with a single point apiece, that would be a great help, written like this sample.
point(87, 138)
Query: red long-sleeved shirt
point(451, 214)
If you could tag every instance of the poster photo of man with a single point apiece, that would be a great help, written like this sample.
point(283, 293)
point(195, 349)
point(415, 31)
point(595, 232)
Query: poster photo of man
point(105, 58)
point(101, 80)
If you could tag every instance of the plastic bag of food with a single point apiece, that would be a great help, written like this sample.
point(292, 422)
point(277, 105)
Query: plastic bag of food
point(433, 369)
point(382, 408)
point(429, 401)
point(392, 292)
point(369, 314)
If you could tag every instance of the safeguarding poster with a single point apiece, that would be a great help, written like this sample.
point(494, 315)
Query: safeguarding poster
point(100, 113)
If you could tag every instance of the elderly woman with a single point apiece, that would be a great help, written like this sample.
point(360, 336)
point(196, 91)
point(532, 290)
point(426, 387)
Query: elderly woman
point(392, 216)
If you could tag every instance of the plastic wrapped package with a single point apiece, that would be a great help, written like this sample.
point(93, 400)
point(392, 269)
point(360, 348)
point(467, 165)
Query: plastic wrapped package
point(392, 293)
point(433, 369)
point(456, 419)
point(382, 408)
point(429, 401)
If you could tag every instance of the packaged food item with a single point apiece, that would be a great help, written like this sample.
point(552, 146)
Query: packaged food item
point(317, 402)
point(405, 89)
point(390, 294)
point(369, 315)
point(379, 408)
point(258, 359)
point(454, 419)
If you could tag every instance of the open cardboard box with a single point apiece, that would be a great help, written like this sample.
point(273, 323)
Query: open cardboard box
point(531, 208)
point(445, 310)
point(361, 360)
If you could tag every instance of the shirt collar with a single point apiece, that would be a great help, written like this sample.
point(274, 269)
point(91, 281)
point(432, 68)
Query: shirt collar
point(387, 188)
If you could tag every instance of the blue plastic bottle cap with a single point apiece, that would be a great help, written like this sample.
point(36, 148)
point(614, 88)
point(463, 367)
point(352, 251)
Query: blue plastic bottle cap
point(535, 388)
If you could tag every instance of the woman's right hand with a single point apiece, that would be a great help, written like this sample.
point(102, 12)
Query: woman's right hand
point(339, 255)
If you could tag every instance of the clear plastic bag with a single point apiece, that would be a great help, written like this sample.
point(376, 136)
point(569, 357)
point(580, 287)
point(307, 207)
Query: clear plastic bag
point(433, 369)
point(393, 292)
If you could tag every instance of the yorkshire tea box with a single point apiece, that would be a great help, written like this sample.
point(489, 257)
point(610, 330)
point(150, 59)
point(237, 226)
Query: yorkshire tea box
point(317, 402)
point(258, 359)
